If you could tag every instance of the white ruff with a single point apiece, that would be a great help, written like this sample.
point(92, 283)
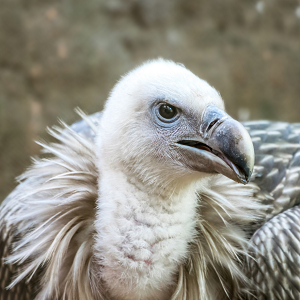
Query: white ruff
point(160, 246)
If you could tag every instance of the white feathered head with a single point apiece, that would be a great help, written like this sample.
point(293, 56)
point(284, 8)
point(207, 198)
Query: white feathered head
point(162, 123)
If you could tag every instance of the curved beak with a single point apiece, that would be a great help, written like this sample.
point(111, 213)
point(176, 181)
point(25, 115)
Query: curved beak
point(223, 146)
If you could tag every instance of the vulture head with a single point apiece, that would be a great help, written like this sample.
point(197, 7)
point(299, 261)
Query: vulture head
point(162, 124)
point(156, 208)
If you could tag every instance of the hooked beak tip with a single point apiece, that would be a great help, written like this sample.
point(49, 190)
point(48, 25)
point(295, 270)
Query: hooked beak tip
point(233, 144)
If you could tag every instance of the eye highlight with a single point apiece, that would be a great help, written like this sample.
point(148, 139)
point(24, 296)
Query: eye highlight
point(167, 113)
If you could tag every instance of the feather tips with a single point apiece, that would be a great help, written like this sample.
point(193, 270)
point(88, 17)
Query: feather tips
point(53, 214)
point(214, 268)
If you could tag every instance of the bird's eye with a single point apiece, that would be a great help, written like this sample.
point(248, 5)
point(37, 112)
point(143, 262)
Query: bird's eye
point(167, 111)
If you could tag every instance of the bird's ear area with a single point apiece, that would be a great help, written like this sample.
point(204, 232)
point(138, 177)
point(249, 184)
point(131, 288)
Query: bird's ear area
point(222, 146)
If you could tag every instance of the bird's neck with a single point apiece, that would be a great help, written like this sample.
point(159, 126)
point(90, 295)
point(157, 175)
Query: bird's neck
point(142, 236)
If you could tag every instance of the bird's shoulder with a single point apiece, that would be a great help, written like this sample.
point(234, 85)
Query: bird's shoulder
point(274, 269)
point(277, 162)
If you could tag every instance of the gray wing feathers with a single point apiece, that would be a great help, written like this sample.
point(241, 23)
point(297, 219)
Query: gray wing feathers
point(277, 162)
point(275, 267)
point(275, 272)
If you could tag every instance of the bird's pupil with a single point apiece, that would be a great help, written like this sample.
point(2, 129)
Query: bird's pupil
point(167, 111)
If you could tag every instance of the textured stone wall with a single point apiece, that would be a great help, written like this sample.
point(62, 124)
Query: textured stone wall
point(56, 55)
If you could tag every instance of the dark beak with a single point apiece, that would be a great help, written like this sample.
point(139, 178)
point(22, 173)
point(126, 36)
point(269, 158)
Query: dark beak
point(223, 146)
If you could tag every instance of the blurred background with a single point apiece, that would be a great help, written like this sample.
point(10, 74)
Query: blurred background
point(57, 55)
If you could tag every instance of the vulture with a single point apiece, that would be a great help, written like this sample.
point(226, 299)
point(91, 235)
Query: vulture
point(161, 196)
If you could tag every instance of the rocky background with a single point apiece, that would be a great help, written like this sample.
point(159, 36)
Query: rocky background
point(57, 55)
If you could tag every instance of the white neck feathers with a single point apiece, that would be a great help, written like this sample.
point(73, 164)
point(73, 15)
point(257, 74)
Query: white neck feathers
point(142, 238)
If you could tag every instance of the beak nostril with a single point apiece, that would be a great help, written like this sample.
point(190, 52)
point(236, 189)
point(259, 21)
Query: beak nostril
point(212, 124)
